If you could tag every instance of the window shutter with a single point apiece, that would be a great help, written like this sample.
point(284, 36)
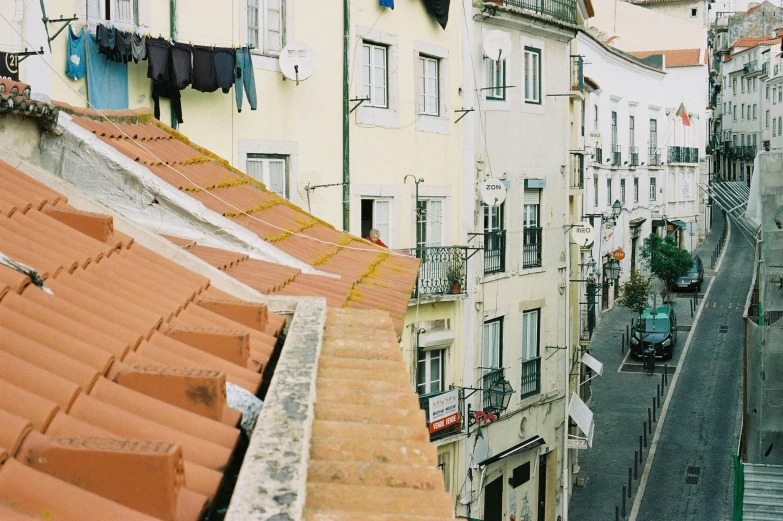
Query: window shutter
point(532, 196)
point(366, 66)
point(274, 26)
point(277, 177)
point(434, 222)
point(255, 169)
point(93, 11)
point(381, 218)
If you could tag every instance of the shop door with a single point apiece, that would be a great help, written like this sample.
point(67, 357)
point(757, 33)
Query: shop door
point(493, 500)
point(542, 487)
point(604, 293)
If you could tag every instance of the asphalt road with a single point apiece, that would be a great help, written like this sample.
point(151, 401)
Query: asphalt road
point(701, 428)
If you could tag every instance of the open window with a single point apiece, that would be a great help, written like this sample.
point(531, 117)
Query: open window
point(376, 213)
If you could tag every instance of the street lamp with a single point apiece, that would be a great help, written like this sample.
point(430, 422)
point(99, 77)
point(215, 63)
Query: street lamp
point(614, 269)
point(499, 395)
point(617, 207)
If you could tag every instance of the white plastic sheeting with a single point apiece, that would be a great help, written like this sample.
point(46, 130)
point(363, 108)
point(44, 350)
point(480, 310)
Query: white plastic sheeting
point(753, 212)
point(245, 402)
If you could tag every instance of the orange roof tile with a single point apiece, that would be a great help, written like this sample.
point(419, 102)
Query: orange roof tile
point(748, 42)
point(675, 57)
point(125, 348)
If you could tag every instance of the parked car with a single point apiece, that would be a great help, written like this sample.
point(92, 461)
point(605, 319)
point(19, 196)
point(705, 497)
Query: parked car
point(693, 279)
point(656, 328)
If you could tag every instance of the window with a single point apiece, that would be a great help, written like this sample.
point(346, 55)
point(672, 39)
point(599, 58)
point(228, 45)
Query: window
point(743, 111)
point(767, 91)
point(632, 131)
point(429, 372)
point(531, 361)
point(636, 189)
point(121, 11)
point(595, 191)
point(653, 134)
point(694, 12)
point(609, 192)
point(653, 189)
point(755, 115)
point(595, 118)
point(622, 191)
point(774, 96)
point(735, 113)
point(496, 79)
point(265, 25)
point(766, 119)
point(780, 126)
point(429, 87)
point(734, 85)
point(429, 216)
point(724, 107)
point(271, 170)
point(376, 213)
point(532, 68)
point(742, 84)
point(493, 344)
point(780, 94)
point(614, 130)
point(531, 249)
point(375, 78)
point(494, 239)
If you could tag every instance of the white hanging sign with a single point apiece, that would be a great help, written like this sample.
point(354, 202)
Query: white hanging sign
point(493, 192)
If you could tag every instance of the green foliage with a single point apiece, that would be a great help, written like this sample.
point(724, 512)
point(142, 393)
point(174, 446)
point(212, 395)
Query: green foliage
point(454, 272)
point(665, 259)
point(636, 292)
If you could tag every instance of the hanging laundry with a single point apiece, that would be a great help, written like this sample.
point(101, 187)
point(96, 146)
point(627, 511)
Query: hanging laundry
point(107, 81)
point(139, 47)
point(181, 71)
point(204, 73)
point(386, 3)
point(123, 49)
point(161, 89)
point(106, 38)
point(225, 62)
point(74, 64)
point(158, 53)
point(246, 77)
point(439, 9)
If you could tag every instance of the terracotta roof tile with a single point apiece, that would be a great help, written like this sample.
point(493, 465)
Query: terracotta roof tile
point(676, 57)
point(748, 42)
point(232, 194)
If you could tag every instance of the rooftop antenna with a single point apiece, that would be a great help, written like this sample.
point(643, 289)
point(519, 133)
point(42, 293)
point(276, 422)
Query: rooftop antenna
point(297, 61)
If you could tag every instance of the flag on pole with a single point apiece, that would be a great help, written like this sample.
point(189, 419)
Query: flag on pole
point(684, 115)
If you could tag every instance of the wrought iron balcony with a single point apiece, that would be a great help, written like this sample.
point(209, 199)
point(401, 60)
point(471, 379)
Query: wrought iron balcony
point(456, 428)
point(634, 156)
point(577, 73)
point(750, 67)
point(531, 377)
point(442, 270)
point(749, 152)
point(655, 156)
point(577, 171)
point(764, 68)
point(531, 250)
point(598, 155)
point(564, 10)
point(736, 151)
point(495, 252)
point(683, 155)
point(617, 155)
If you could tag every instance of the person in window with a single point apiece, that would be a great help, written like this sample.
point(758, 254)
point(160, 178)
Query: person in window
point(375, 238)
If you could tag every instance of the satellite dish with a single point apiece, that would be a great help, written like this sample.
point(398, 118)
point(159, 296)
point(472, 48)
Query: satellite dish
point(583, 234)
point(493, 192)
point(297, 61)
point(497, 45)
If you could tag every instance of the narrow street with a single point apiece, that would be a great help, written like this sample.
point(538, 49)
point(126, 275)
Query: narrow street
point(690, 476)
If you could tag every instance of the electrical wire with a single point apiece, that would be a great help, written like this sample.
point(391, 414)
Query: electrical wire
point(163, 163)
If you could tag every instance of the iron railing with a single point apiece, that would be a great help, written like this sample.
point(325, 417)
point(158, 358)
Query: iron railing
point(764, 68)
point(577, 73)
point(577, 171)
point(634, 156)
point(531, 377)
point(617, 155)
point(495, 252)
point(442, 270)
point(749, 152)
point(531, 250)
point(736, 151)
point(683, 155)
point(655, 156)
point(564, 10)
point(598, 156)
point(492, 377)
point(749, 67)
point(424, 403)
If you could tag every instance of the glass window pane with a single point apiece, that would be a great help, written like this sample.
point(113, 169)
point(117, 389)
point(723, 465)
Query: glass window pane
point(277, 177)
point(536, 68)
point(365, 86)
point(434, 223)
point(255, 169)
point(381, 219)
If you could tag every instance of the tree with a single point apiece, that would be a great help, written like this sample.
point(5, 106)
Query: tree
point(636, 292)
point(665, 259)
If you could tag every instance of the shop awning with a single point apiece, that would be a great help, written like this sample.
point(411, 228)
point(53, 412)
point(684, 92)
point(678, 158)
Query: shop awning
point(519, 448)
point(679, 224)
point(636, 221)
point(583, 416)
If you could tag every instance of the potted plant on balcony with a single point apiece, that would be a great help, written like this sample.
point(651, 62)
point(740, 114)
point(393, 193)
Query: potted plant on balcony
point(454, 276)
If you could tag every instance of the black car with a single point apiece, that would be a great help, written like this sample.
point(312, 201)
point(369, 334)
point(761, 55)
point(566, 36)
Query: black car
point(655, 328)
point(693, 279)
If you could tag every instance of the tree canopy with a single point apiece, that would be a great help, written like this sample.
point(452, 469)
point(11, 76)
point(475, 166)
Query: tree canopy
point(665, 259)
point(636, 292)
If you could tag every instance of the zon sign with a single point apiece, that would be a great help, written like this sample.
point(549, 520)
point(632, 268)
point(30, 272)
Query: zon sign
point(493, 192)
point(444, 410)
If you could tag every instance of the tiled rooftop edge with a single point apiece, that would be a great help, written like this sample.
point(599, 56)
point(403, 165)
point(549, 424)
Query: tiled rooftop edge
point(271, 484)
point(78, 149)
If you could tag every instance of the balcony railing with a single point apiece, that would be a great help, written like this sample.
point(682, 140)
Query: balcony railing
point(598, 156)
point(531, 250)
point(531, 377)
point(577, 171)
point(655, 156)
point(493, 376)
point(564, 10)
point(634, 156)
point(749, 152)
point(749, 67)
point(617, 155)
point(424, 403)
point(764, 68)
point(577, 73)
point(442, 270)
point(683, 155)
point(736, 151)
point(495, 252)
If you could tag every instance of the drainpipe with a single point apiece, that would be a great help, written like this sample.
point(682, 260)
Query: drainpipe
point(346, 142)
point(173, 36)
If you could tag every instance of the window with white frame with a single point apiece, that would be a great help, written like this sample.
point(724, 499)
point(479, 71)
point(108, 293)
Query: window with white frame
point(766, 119)
point(376, 214)
point(532, 69)
point(595, 191)
point(780, 126)
point(265, 25)
point(270, 169)
point(780, 94)
point(120, 11)
point(531, 363)
point(609, 192)
point(496, 79)
point(653, 189)
point(767, 91)
point(532, 231)
point(622, 191)
point(375, 75)
point(493, 344)
point(429, 225)
point(636, 189)
point(429, 371)
point(429, 86)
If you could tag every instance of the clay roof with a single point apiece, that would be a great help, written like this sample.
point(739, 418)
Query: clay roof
point(367, 441)
point(14, 98)
point(675, 57)
point(113, 386)
point(748, 42)
point(370, 277)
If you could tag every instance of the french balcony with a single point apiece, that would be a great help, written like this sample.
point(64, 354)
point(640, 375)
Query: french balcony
point(442, 270)
point(750, 67)
point(564, 10)
point(531, 250)
point(598, 155)
point(445, 431)
point(577, 171)
point(736, 151)
point(683, 155)
point(749, 152)
point(494, 252)
point(655, 156)
point(617, 155)
point(634, 156)
point(531, 377)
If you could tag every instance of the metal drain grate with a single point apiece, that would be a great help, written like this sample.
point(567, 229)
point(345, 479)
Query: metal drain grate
point(723, 329)
point(694, 470)
point(691, 480)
